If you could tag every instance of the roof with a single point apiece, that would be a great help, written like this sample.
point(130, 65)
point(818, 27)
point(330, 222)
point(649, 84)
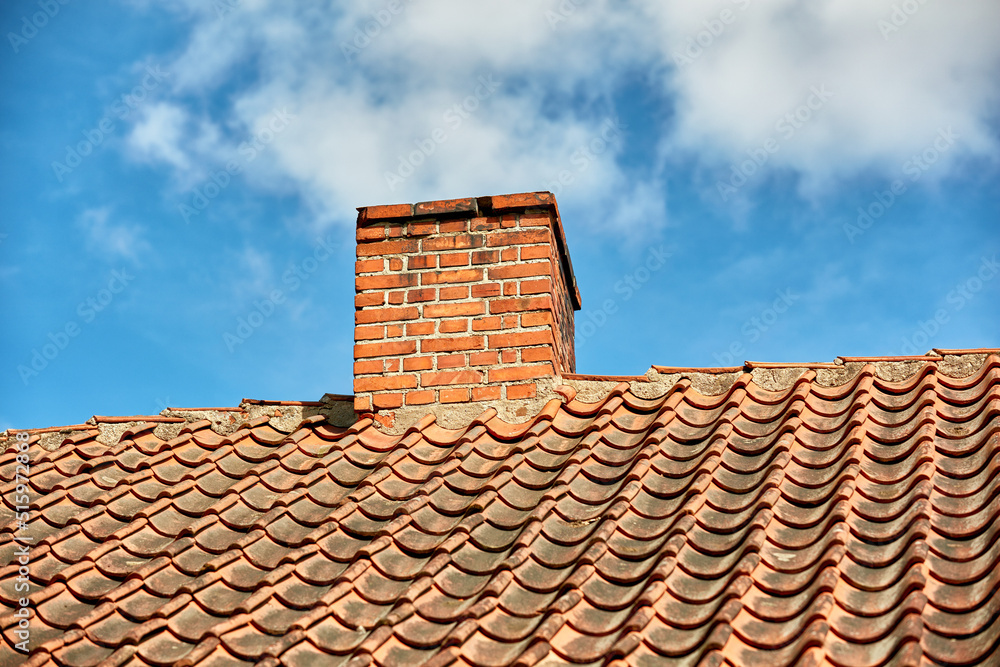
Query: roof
point(819, 515)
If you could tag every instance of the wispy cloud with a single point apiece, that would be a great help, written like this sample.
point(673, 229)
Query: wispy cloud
point(112, 240)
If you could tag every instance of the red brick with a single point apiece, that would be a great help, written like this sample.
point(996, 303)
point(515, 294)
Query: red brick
point(386, 419)
point(509, 220)
point(373, 233)
point(456, 242)
point(369, 366)
point(422, 228)
point(453, 259)
point(521, 391)
point(454, 395)
point(484, 224)
point(441, 206)
point(454, 226)
point(418, 363)
point(521, 304)
point(384, 382)
point(532, 354)
point(520, 339)
point(369, 333)
point(454, 309)
point(385, 349)
point(508, 356)
point(450, 377)
point(394, 331)
point(369, 265)
point(486, 324)
point(451, 361)
point(392, 281)
point(388, 211)
point(510, 321)
point(508, 254)
point(519, 271)
point(420, 295)
point(534, 219)
point(523, 200)
point(536, 252)
point(421, 262)
point(536, 319)
point(396, 298)
point(394, 230)
point(456, 292)
point(483, 358)
point(388, 247)
point(362, 403)
point(392, 365)
point(420, 328)
point(420, 397)
point(542, 286)
point(457, 276)
point(520, 373)
point(374, 315)
point(486, 393)
point(395, 264)
point(486, 290)
point(372, 299)
point(510, 289)
point(453, 326)
point(485, 257)
point(522, 237)
point(387, 401)
point(451, 344)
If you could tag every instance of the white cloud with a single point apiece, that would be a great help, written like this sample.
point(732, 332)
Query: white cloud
point(106, 238)
point(358, 116)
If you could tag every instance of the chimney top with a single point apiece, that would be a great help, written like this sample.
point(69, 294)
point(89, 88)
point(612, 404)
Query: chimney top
point(462, 305)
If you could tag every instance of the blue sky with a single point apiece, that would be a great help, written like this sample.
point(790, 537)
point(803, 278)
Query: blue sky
point(771, 180)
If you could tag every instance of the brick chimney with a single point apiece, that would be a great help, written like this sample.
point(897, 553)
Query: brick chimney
point(461, 305)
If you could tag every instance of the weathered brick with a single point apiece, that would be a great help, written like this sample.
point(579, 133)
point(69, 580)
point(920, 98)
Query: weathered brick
point(521, 304)
point(370, 299)
point(534, 219)
point(395, 247)
point(392, 365)
point(536, 318)
point(486, 393)
point(523, 200)
point(362, 403)
point(533, 354)
point(541, 286)
point(520, 237)
point(457, 395)
point(372, 233)
point(450, 361)
point(421, 262)
point(369, 366)
point(510, 321)
point(521, 391)
point(373, 315)
point(391, 281)
point(510, 289)
point(486, 323)
point(387, 401)
point(394, 331)
point(508, 255)
point(456, 276)
point(487, 358)
point(450, 226)
point(485, 257)
point(456, 242)
point(385, 382)
point(418, 363)
point(454, 292)
point(384, 349)
point(484, 290)
point(520, 339)
point(484, 224)
point(421, 228)
point(454, 309)
point(453, 259)
point(394, 230)
point(369, 265)
point(387, 211)
point(519, 271)
point(421, 295)
point(395, 298)
point(395, 264)
point(452, 344)
point(529, 252)
point(422, 397)
point(453, 326)
point(508, 355)
point(369, 333)
point(440, 378)
point(520, 373)
point(419, 328)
